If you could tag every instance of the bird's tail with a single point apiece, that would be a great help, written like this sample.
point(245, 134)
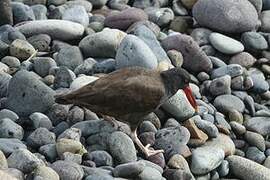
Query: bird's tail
point(63, 99)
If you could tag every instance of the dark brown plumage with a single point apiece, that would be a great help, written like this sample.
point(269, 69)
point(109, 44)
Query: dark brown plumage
point(128, 94)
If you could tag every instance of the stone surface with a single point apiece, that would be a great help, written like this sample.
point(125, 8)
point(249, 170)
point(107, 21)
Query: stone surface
point(247, 169)
point(117, 146)
point(129, 170)
point(57, 29)
point(21, 49)
point(242, 15)
point(134, 52)
point(260, 125)
point(195, 59)
point(27, 94)
point(103, 44)
point(225, 103)
point(20, 159)
point(9, 145)
point(206, 159)
point(225, 44)
point(10, 129)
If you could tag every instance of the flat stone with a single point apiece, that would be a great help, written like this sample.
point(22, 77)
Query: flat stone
point(9, 145)
point(77, 14)
point(150, 174)
point(247, 169)
point(69, 145)
point(101, 158)
point(254, 41)
point(10, 129)
point(221, 85)
point(40, 137)
point(21, 49)
point(206, 159)
point(254, 154)
point(44, 172)
point(42, 65)
point(226, 44)
point(264, 17)
point(244, 59)
point(57, 29)
point(255, 139)
point(22, 12)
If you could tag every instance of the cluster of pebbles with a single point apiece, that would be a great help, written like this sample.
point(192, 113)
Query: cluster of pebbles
point(52, 46)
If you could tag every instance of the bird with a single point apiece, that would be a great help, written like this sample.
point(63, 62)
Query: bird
point(129, 94)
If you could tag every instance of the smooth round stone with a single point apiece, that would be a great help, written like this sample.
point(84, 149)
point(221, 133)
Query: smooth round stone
point(56, 29)
point(147, 35)
point(244, 59)
point(6, 10)
point(68, 156)
point(103, 44)
point(22, 12)
point(125, 18)
point(58, 113)
point(227, 16)
point(21, 49)
point(98, 3)
point(223, 142)
point(71, 57)
point(4, 68)
point(8, 35)
point(40, 137)
point(49, 151)
point(237, 128)
point(86, 67)
point(68, 170)
point(42, 65)
point(195, 60)
point(128, 170)
point(258, 4)
point(76, 14)
point(117, 146)
point(4, 81)
point(172, 140)
point(11, 61)
point(225, 44)
point(40, 11)
point(225, 103)
point(221, 86)
point(27, 94)
point(223, 169)
point(254, 41)
point(264, 17)
point(86, 4)
point(232, 70)
point(179, 106)
point(69, 145)
point(217, 63)
point(6, 113)
point(255, 139)
point(10, 129)
point(100, 177)
point(160, 16)
point(134, 52)
point(260, 125)
point(44, 172)
point(254, 154)
point(20, 159)
point(206, 159)
point(150, 174)
point(147, 126)
point(101, 158)
point(41, 42)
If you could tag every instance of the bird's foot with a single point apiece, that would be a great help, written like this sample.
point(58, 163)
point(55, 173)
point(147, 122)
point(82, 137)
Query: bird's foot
point(148, 151)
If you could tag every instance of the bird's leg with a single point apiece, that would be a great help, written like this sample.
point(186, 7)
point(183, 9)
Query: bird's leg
point(145, 149)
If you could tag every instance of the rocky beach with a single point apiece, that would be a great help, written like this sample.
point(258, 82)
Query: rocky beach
point(49, 47)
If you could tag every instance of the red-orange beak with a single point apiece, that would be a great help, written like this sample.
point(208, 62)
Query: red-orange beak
point(190, 97)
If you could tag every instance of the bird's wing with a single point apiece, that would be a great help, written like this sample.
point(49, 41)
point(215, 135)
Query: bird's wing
point(122, 92)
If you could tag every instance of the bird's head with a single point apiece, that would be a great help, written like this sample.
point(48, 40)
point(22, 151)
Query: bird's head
point(178, 78)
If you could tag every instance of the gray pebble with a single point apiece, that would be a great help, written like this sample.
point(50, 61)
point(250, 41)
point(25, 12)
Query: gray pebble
point(40, 137)
point(10, 129)
point(254, 154)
